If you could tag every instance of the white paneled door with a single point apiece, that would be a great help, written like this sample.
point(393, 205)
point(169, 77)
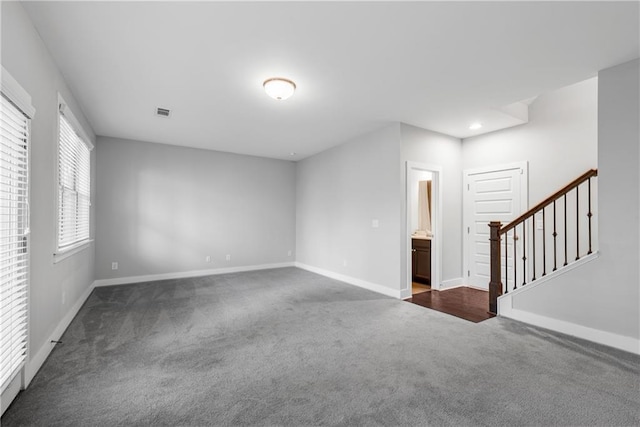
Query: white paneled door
point(492, 194)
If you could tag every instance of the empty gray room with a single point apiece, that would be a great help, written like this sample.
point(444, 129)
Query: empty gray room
point(320, 213)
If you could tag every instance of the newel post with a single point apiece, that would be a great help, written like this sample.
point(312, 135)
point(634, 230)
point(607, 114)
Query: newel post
point(495, 285)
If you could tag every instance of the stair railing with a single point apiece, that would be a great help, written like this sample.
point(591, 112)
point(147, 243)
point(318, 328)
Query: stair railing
point(535, 224)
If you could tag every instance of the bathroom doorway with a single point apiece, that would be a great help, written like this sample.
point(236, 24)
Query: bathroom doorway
point(423, 228)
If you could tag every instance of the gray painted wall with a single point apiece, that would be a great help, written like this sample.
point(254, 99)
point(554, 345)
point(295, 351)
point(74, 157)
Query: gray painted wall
point(339, 192)
point(605, 293)
point(28, 61)
point(559, 142)
point(424, 146)
point(162, 209)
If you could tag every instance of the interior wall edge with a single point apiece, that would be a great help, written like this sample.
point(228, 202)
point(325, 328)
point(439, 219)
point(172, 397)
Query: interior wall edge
point(375, 287)
point(610, 339)
point(37, 360)
point(56, 290)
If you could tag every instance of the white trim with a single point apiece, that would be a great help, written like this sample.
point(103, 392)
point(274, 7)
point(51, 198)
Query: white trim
point(466, 209)
point(498, 168)
point(187, 274)
point(352, 280)
point(610, 339)
point(505, 309)
point(36, 362)
point(60, 254)
point(20, 98)
point(16, 94)
point(63, 108)
point(436, 241)
point(468, 287)
point(71, 250)
point(452, 283)
point(476, 287)
point(11, 390)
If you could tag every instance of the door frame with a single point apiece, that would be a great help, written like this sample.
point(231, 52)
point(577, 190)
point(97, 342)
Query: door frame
point(466, 208)
point(436, 219)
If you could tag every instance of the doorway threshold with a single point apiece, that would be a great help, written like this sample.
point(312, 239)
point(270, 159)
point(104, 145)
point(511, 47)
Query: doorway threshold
point(466, 303)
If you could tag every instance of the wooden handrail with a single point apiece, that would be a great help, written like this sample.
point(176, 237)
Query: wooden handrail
point(496, 230)
point(546, 202)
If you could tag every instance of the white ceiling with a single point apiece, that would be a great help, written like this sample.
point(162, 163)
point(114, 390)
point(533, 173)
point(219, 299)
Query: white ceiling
point(357, 65)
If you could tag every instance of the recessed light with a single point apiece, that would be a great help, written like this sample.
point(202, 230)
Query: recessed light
point(293, 153)
point(279, 88)
point(475, 126)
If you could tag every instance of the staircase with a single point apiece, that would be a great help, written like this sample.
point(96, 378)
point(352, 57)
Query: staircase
point(542, 241)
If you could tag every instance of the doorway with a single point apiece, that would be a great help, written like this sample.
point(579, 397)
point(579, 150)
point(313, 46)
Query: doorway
point(498, 193)
point(423, 230)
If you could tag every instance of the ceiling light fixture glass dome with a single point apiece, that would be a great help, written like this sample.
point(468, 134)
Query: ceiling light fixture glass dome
point(279, 88)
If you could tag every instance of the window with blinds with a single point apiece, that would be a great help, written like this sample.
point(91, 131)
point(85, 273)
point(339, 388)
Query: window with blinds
point(74, 186)
point(14, 230)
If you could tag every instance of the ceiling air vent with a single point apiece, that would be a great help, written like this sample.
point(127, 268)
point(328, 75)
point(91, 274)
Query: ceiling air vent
point(163, 112)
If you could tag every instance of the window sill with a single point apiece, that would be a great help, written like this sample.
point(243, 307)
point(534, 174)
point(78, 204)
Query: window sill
point(71, 250)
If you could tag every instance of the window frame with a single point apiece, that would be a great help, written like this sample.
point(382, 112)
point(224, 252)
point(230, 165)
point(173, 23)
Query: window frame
point(61, 253)
point(20, 98)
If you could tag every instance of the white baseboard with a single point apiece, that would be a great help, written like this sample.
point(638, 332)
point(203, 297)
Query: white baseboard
point(11, 391)
point(35, 363)
point(477, 287)
point(505, 309)
point(462, 285)
point(632, 345)
point(452, 283)
point(187, 274)
point(395, 293)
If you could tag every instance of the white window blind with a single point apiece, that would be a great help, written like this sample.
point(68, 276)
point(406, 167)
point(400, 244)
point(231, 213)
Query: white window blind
point(74, 186)
point(14, 230)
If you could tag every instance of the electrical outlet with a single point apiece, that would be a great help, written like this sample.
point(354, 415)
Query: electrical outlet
point(114, 265)
point(344, 262)
point(289, 253)
point(228, 257)
point(375, 223)
point(207, 258)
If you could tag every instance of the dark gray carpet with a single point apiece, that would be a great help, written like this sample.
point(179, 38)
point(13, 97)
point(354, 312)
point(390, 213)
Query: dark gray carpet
point(288, 347)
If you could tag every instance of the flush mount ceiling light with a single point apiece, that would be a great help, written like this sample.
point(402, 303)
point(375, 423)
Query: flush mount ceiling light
point(279, 88)
point(475, 126)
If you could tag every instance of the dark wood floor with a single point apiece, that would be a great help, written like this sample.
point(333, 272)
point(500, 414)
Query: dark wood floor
point(466, 303)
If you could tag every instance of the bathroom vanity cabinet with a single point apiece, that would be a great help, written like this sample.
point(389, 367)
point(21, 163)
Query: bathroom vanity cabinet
point(421, 260)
